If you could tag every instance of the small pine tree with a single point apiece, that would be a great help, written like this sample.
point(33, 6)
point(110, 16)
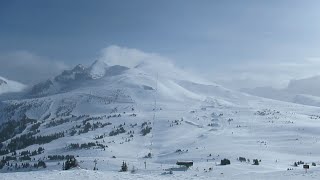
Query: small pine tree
point(42, 164)
point(242, 159)
point(124, 167)
point(255, 162)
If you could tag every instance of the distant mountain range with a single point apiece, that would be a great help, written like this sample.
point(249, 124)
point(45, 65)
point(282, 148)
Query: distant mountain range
point(303, 91)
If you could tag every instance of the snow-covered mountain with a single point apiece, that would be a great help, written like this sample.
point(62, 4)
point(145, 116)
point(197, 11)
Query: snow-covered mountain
point(150, 119)
point(303, 91)
point(8, 86)
point(75, 78)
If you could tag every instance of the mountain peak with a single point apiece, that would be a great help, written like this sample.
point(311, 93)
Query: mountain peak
point(98, 69)
point(3, 82)
point(75, 78)
point(79, 67)
point(77, 73)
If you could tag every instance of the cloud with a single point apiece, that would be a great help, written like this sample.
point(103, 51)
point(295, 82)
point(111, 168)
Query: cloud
point(28, 68)
point(129, 57)
point(150, 62)
point(275, 74)
point(10, 86)
point(249, 74)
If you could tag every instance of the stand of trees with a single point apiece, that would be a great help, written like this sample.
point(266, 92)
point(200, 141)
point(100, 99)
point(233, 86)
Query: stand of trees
point(242, 159)
point(28, 139)
point(298, 163)
point(70, 163)
point(3, 152)
point(86, 145)
point(256, 162)
point(119, 130)
point(11, 128)
point(40, 164)
point(59, 157)
point(57, 122)
point(146, 130)
point(35, 127)
point(90, 127)
point(32, 153)
point(6, 162)
point(124, 167)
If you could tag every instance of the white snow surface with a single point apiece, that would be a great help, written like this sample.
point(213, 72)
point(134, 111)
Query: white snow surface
point(190, 120)
point(8, 86)
point(98, 69)
point(93, 175)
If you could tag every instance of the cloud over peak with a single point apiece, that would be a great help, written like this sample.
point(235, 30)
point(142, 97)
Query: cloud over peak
point(27, 67)
point(130, 57)
point(150, 62)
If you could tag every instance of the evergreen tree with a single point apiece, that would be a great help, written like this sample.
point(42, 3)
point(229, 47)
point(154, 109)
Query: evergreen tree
point(124, 167)
point(70, 163)
point(255, 162)
point(42, 164)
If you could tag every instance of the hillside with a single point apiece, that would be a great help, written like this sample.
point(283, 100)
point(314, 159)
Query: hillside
point(150, 120)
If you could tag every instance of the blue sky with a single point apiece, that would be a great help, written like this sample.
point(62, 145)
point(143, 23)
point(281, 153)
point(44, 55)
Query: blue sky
point(219, 38)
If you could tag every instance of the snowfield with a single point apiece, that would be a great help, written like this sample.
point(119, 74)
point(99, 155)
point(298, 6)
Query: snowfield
point(88, 175)
point(113, 107)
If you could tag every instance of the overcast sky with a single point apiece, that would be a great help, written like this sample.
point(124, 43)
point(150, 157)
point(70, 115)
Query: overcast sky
point(236, 43)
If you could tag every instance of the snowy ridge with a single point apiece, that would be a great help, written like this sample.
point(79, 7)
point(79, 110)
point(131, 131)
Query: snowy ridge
point(302, 91)
point(74, 78)
point(8, 86)
point(98, 69)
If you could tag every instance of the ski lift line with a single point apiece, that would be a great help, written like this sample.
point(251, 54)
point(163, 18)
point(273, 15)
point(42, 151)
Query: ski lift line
point(154, 113)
